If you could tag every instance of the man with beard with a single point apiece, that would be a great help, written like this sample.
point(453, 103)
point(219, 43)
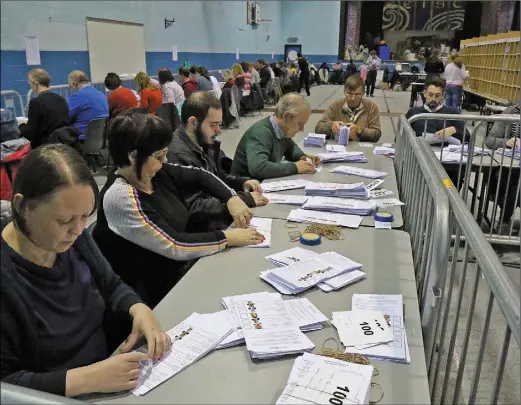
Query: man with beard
point(434, 96)
point(195, 144)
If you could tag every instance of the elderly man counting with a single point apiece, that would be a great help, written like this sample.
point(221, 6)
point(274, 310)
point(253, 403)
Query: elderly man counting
point(265, 143)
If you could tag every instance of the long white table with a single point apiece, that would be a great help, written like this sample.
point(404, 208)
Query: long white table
point(229, 376)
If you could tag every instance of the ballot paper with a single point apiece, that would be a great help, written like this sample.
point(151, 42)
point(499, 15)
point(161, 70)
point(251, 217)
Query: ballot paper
point(322, 380)
point(465, 148)
point(321, 217)
point(392, 307)
point(366, 144)
point(340, 205)
point(229, 302)
point(433, 139)
point(349, 157)
point(332, 148)
point(450, 157)
point(315, 140)
point(515, 153)
point(387, 202)
point(263, 226)
point(351, 190)
point(356, 171)
point(382, 150)
point(382, 192)
point(287, 257)
point(362, 328)
point(274, 186)
point(306, 315)
point(341, 281)
point(192, 339)
point(289, 199)
point(299, 276)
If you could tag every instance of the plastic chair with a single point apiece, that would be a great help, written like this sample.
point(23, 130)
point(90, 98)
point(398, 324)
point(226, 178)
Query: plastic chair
point(94, 141)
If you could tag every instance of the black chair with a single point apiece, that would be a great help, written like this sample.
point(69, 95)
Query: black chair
point(169, 113)
point(94, 142)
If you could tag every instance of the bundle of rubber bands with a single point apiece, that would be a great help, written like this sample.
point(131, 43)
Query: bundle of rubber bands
point(331, 232)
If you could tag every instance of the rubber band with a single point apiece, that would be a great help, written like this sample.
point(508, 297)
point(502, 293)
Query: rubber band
point(294, 236)
point(381, 389)
point(294, 225)
point(331, 232)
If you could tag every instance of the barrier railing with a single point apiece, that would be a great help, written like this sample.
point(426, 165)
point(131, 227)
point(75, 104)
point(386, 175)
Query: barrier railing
point(12, 100)
point(16, 395)
point(488, 179)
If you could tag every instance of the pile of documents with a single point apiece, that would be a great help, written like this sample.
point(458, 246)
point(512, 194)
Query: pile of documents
point(356, 171)
point(515, 153)
point(318, 140)
point(340, 205)
point(446, 156)
point(392, 308)
point(327, 218)
point(332, 148)
point(434, 139)
point(276, 198)
point(477, 150)
point(274, 186)
point(382, 150)
point(351, 157)
point(353, 190)
point(298, 254)
point(302, 275)
point(192, 339)
point(322, 380)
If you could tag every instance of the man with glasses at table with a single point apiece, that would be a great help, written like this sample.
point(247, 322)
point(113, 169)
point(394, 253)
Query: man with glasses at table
point(359, 114)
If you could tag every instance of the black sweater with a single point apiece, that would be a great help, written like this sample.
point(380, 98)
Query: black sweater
point(30, 315)
point(434, 125)
point(47, 112)
point(144, 236)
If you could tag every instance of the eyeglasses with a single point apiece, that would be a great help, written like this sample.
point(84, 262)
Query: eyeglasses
point(160, 157)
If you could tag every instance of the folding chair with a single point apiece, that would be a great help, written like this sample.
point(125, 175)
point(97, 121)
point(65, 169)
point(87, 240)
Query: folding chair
point(94, 141)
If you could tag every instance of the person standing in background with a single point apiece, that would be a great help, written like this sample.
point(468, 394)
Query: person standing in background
point(303, 79)
point(433, 66)
point(384, 51)
point(373, 64)
point(455, 76)
point(189, 85)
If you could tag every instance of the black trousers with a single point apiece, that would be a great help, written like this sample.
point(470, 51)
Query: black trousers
point(303, 80)
point(370, 81)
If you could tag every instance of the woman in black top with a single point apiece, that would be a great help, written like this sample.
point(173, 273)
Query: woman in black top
point(142, 220)
point(434, 66)
point(63, 310)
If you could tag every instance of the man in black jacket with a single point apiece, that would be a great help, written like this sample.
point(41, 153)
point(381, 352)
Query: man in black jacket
point(195, 144)
point(303, 79)
point(265, 76)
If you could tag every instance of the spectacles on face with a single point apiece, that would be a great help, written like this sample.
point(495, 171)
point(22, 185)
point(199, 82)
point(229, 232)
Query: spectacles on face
point(161, 157)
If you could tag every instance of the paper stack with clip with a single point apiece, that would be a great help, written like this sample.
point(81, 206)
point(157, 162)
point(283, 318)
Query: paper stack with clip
point(383, 151)
point(273, 186)
point(347, 157)
point(318, 140)
point(327, 218)
point(340, 205)
point(332, 148)
point(356, 171)
point(352, 190)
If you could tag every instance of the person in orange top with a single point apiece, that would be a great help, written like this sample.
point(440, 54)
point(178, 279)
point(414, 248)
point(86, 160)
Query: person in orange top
point(149, 93)
point(120, 98)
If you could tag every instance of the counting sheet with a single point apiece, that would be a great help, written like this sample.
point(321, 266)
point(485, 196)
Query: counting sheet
point(263, 314)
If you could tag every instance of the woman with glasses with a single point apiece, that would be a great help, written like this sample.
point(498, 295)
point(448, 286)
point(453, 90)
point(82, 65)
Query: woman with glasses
point(143, 228)
point(359, 114)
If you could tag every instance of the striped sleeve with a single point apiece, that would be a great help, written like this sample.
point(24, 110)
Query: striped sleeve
point(143, 225)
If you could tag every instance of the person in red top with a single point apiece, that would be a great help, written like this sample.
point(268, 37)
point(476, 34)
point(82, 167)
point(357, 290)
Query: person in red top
point(189, 85)
point(120, 98)
point(149, 93)
point(228, 79)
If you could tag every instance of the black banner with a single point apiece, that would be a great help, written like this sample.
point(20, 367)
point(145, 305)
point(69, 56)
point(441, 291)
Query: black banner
point(423, 15)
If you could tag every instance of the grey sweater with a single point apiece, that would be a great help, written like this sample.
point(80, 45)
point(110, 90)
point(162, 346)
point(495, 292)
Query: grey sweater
point(496, 138)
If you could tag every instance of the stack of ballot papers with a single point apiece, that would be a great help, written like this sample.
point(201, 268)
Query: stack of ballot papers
point(298, 254)
point(465, 148)
point(353, 190)
point(332, 148)
point(515, 153)
point(274, 186)
point(356, 171)
point(446, 156)
point(322, 380)
point(382, 150)
point(392, 307)
point(302, 275)
point(276, 198)
point(433, 139)
point(192, 339)
point(326, 218)
point(315, 140)
point(352, 157)
point(340, 205)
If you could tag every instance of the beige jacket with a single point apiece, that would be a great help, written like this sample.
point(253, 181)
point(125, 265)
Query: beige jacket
point(369, 120)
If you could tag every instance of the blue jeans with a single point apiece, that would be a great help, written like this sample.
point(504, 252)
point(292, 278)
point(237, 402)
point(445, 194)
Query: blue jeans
point(453, 96)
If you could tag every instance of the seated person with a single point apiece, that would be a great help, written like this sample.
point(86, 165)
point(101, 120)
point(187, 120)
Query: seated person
point(323, 72)
point(241, 80)
point(264, 73)
point(120, 98)
point(338, 73)
point(86, 103)
point(47, 112)
point(359, 114)
point(189, 85)
point(64, 311)
point(265, 143)
point(194, 144)
point(149, 93)
point(142, 221)
point(434, 96)
point(171, 90)
point(204, 83)
point(228, 79)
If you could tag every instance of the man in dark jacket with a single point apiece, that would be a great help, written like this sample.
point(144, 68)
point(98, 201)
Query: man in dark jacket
point(303, 79)
point(195, 144)
point(265, 75)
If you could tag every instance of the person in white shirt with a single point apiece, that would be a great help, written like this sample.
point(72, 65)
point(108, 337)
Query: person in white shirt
point(373, 63)
point(455, 76)
point(172, 92)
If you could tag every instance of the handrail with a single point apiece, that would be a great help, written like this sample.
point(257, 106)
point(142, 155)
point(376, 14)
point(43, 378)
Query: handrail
point(464, 117)
point(15, 93)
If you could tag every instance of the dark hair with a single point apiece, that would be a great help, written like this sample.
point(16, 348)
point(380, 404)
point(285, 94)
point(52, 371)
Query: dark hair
point(165, 75)
point(183, 72)
point(43, 172)
point(436, 82)
point(261, 61)
point(134, 131)
point(112, 81)
point(201, 70)
point(353, 82)
point(299, 54)
point(197, 105)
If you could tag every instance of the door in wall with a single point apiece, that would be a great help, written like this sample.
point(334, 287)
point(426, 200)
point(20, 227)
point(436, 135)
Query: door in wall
point(290, 52)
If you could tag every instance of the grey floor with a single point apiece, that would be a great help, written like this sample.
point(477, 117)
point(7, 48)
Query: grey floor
point(392, 104)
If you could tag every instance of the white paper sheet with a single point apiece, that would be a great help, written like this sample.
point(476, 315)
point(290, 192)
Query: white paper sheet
point(332, 148)
point(435, 140)
point(356, 171)
point(341, 280)
point(387, 202)
point(175, 55)
point(328, 218)
point(289, 256)
point(272, 186)
point(276, 198)
point(304, 313)
point(263, 226)
point(32, 50)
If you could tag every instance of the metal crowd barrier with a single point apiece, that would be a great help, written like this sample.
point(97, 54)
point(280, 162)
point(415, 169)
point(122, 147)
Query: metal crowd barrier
point(16, 395)
point(490, 185)
point(12, 100)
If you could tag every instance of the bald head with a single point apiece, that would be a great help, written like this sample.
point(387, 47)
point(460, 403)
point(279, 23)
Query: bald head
point(293, 104)
point(40, 77)
point(77, 79)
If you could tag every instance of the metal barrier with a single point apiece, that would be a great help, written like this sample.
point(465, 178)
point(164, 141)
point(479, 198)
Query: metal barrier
point(12, 100)
point(490, 185)
point(16, 395)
